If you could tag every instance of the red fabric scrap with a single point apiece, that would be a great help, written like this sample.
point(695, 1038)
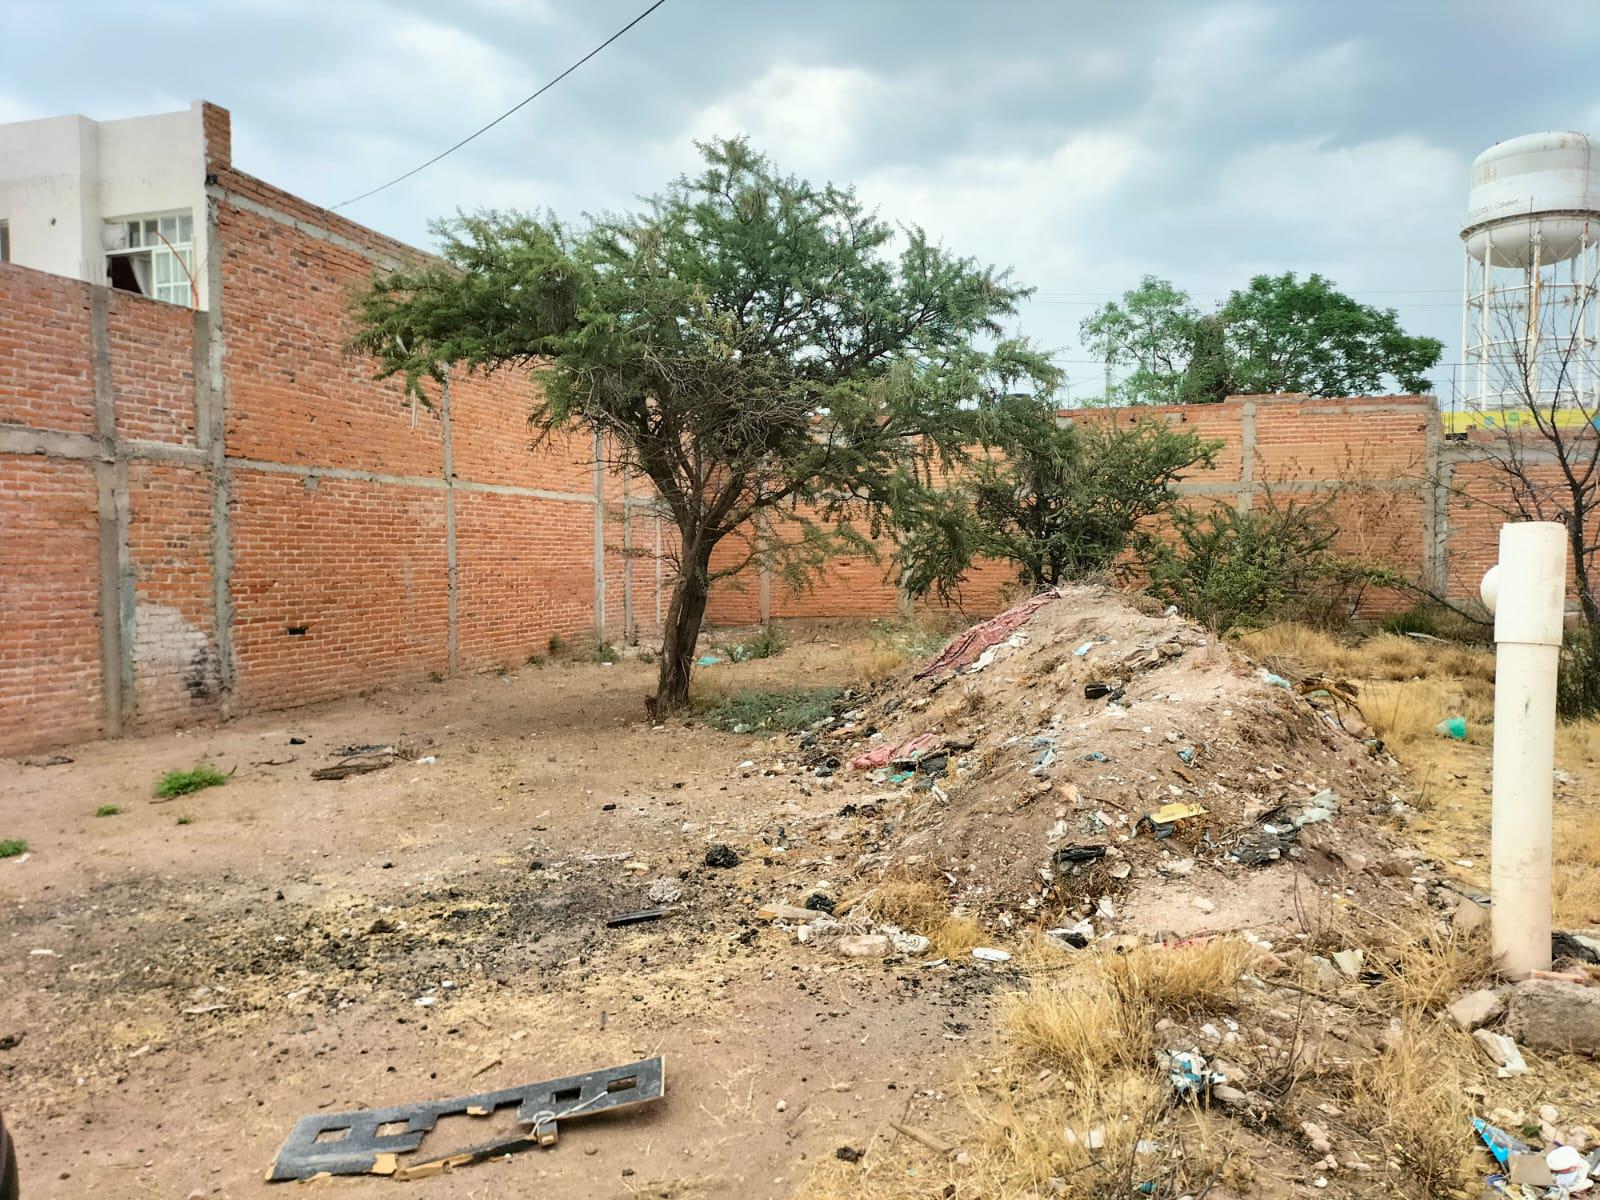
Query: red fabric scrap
point(968, 646)
point(885, 753)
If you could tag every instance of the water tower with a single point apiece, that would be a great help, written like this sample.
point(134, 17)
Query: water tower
point(1530, 319)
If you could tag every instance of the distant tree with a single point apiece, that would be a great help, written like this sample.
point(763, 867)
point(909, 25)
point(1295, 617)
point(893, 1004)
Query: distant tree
point(1279, 334)
point(1056, 501)
point(1289, 335)
point(1150, 336)
point(750, 342)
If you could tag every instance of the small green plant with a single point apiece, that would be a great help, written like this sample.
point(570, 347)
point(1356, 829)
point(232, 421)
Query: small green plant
point(1253, 568)
point(605, 652)
point(182, 783)
point(748, 712)
point(1413, 620)
point(11, 847)
point(185, 820)
point(1578, 682)
point(556, 644)
point(769, 643)
point(107, 810)
point(536, 660)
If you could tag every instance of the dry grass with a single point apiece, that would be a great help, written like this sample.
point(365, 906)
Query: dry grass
point(1412, 1099)
point(1428, 967)
point(1091, 1031)
point(917, 903)
point(1575, 880)
point(1411, 710)
point(1578, 744)
point(1301, 650)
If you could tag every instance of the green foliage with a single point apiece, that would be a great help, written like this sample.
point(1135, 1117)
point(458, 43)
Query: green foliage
point(603, 652)
point(1057, 501)
point(1278, 334)
point(556, 644)
point(768, 711)
point(1578, 681)
point(1272, 563)
point(769, 643)
point(185, 820)
point(11, 847)
point(754, 344)
point(181, 783)
point(1292, 336)
point(107, 810)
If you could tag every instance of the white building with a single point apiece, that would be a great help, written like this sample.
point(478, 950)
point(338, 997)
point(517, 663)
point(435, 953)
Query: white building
point(111, 202)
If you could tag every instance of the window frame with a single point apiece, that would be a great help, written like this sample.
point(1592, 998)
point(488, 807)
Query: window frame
point(172, 281)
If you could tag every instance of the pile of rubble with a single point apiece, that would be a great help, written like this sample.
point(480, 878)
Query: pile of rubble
point(1076, 749)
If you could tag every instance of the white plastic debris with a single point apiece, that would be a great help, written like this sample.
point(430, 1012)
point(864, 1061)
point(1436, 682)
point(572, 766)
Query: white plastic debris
point(990, 955)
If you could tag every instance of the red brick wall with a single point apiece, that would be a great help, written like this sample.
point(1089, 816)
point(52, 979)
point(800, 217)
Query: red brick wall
point(49, 603)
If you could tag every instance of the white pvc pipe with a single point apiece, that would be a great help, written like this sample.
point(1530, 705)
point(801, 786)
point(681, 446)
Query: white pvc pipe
point(1526, 591)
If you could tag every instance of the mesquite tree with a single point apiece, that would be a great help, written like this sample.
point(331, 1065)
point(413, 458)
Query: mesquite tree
point(782, 365)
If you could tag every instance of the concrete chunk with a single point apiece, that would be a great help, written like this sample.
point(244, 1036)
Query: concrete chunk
point(1477, 1008)
point(1550, 1015)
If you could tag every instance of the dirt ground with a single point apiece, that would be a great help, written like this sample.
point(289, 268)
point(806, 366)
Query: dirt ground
point(185, 979)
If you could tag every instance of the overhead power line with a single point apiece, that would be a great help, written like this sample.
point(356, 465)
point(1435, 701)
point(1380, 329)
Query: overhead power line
point(514, 108)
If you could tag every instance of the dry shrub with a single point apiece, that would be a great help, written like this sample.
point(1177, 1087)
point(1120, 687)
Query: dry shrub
point(1575, 881)
point(870, 663)
point(1305, 650)
point(1411, 710)
point(904, 898)
point(1093, 1029)
point(1429, 966)
point(1184, 980)
point(1578, 743)
point(1413, 1100)
point(956, 937)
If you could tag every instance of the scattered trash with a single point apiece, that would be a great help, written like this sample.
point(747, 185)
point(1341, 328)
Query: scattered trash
point(722, 855)
point(350, 1143)
point(886, 753)
point(1069, 856)
point(1569, 1170)
point(709, 660)
point(1161, 821)
point(1500, 1143)
point(1097, 756)
point(1350, 962)
point(907, 943)
point(639, 917)
point(1070, 937)
point(989, 954)
point(1083, 650)
point(1502, 1051)
point(969, 646)
point(1277, 681)
point(1188, 1073)
point(1452, 727)
point(665, 891)
point(820, 902)
point(1101, 690)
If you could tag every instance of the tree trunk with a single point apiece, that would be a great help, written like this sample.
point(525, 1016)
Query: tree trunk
point(681, 634)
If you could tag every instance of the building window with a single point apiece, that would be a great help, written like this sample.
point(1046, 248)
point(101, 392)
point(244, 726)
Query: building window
point(154, 256)
point(5, 241)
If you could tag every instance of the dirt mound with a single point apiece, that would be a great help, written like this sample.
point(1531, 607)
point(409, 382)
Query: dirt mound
point(1099, 761)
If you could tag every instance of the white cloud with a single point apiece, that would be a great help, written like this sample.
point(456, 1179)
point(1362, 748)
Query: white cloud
point(805, 117)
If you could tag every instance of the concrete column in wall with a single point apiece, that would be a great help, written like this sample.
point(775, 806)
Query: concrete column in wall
point(1436, 504)
point(1247, 457)
point(452, 578)
point(111, 504)
point(628, 633)
point(211, 399)
point(599, 542)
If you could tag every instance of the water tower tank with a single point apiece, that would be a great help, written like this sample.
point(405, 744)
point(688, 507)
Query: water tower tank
point(1540, 186)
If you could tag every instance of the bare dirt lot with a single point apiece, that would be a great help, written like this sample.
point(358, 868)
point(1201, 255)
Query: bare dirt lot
point(184, 979)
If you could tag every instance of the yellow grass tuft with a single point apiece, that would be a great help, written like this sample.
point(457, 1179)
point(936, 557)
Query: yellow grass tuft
point(1411, 710)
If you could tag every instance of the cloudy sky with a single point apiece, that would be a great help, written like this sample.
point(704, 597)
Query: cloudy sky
point(1083, 144)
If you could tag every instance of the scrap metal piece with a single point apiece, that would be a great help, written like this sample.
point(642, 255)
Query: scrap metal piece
point(350, 1143)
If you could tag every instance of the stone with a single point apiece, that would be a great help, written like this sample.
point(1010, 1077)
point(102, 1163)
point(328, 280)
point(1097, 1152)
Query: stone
point(1316, 1137)
point(1469, 915)
point(1550, 1015)
point(1350, 962)
point(864, 945)
point(1222, 1093)
point(1203, 904)
point(1476, 1009)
